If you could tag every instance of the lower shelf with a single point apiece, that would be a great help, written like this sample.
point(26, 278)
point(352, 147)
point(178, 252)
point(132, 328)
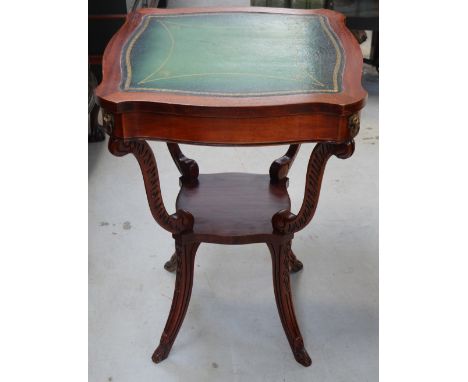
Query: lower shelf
point(233, 208)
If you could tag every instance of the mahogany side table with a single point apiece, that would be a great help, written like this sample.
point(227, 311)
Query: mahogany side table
point(232, 76)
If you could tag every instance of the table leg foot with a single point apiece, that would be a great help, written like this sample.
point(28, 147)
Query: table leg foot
point(181, 221)
point(300, 353)
point(280, 254)
point(295, 265)
point(161, 353)
point(185, 260)
point(171, 264)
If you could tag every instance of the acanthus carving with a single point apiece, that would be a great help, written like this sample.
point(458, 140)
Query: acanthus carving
point(285, 221)
point(179, 222)
point(280, 167)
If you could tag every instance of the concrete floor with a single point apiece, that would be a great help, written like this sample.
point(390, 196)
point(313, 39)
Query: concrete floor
point(232, 331)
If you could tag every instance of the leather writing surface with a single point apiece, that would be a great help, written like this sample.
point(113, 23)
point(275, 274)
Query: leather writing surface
point(233, 54)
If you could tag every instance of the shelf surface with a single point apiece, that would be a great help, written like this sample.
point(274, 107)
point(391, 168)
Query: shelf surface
point(230, 207)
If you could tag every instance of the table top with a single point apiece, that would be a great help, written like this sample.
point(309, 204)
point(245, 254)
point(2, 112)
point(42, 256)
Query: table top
point(230, 63)
point(232, 54)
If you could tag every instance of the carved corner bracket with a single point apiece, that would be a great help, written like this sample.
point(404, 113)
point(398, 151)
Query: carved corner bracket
point(181, 221)
point(284, 221)
point(187, 167)
point(280, 167)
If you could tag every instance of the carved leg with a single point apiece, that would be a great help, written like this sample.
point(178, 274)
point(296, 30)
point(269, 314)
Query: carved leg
point(295, 265)
point(280, 251)
point(181, 221)
point(285, 222)
point(185, 259)
point(187, 167)
point(171, 264)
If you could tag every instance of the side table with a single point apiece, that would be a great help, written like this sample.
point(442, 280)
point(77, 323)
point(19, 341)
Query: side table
point(232, 77)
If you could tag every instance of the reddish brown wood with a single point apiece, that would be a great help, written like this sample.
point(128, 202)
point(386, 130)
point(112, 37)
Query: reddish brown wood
point(349, 101)
point(280, 167)
point(187, 167)
point(181, 221)
point(233, 131)
point(232, 208)
point(280, 249)
point(295, 265)
point(285, 221)
point(185, 258)
point(232, 120)
point(114, 16)
point(171, 264)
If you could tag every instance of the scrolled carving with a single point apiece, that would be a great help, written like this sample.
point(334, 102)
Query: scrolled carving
point(344, 150)
point(285, 267)
point(179, 222)
point(354, 124)
point(285, 221)
point(187, 167)
point(280, 167)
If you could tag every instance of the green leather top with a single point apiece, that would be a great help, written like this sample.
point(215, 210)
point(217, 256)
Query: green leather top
point(233, 54)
